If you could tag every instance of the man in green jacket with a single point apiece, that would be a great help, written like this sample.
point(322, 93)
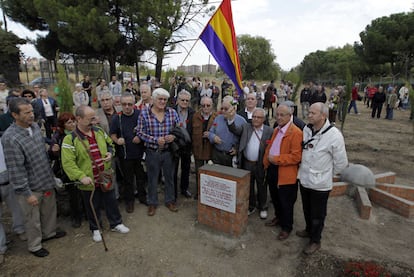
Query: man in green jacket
point(78, 149)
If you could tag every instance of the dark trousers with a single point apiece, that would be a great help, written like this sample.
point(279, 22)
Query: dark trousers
point(110, 205)
point(376, 108)
point(222, 158)
point(314, 205)
point(133, 173)
point(271, 179)
point(50, 122)
point(185, 158)
point(287, 197)
point(75, 201)
point(256, 176)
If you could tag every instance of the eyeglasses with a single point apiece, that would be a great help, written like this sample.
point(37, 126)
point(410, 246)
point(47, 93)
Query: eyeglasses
point(185, 100)
point(70, 122)
point(206, 105)
point(281, 114)
point(224, 109)
point(127, 104)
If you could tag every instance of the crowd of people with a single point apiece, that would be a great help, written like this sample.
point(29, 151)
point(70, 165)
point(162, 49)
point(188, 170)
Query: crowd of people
point(148, 136)
point(374, 97)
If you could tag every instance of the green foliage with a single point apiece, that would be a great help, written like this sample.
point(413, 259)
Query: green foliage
point(389, 39)
point(330, 66)
point(64, 93)
point(257, 60)
point(9, 56)
point(348, 92)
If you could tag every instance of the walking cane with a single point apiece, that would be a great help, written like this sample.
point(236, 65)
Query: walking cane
point(96, 218)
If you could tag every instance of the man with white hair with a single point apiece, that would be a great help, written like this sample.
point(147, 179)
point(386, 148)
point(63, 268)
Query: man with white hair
point(154, 128)
point(323, 155)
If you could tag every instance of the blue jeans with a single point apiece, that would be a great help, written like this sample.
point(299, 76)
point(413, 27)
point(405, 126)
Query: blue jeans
point(390, 112)
point(157, 161)
point(352, 104)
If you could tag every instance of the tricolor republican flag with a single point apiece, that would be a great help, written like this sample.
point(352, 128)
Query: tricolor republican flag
point(220, 39)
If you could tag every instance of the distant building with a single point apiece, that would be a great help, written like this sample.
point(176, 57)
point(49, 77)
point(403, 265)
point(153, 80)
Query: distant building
point(196, 69)
point(209, 68)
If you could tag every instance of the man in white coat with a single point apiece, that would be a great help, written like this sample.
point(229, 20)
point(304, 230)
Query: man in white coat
point(323, 156)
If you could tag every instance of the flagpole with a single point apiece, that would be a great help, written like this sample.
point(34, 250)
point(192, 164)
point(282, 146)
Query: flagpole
point(191, 49)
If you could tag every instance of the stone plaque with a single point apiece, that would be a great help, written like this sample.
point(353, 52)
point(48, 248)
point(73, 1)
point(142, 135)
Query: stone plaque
point(218, 192)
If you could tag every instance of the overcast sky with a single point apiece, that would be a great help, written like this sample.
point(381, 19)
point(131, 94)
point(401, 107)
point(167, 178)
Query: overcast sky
point(294, 28)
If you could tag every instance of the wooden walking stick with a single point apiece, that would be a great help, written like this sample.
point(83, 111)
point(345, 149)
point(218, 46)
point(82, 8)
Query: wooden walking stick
point(96, 218)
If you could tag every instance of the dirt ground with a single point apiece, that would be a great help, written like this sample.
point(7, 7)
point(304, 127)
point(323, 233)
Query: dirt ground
point(175, 244)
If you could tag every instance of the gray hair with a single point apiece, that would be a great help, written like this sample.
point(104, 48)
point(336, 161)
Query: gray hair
point(127, 95)
point(289, 108)
point(227, 99)
point(160, 92)
point(260, 110)
point(206, 98)
point(322, 108)
point(184, 92)
point(15, 103)
point(145, 85)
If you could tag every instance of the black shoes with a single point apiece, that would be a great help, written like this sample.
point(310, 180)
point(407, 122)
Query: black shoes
point(59, 234)
point(40, 253)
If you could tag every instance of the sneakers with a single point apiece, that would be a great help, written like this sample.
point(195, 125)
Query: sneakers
point(251, 211)
point(263, 214)
point(96, 236)
point(120, 228)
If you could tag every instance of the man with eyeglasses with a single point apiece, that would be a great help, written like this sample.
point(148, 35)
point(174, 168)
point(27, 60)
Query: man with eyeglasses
point(129, 150)
point(253, 137)
point(154, 128)
point(202, 122)
point(225, 142)
point(104, 117)
point(185, 114)
point(324, 155)
point(281, 160)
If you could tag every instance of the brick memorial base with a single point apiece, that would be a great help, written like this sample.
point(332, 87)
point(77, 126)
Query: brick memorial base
point(223, 198)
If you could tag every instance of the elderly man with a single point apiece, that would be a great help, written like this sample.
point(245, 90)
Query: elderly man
point(185, 114)
point(146, 100)
point(281, 159)
point(253, 137)
point(31, 176)
point(48, 111)
point(154, 128)
point(129, 149)
point(89, 142)
point(250, 106)
point(324, 155)
point(202, 122)
point(115, 87)
point(225, 142)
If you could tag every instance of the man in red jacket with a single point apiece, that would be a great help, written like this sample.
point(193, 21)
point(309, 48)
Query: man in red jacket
point(354, 98)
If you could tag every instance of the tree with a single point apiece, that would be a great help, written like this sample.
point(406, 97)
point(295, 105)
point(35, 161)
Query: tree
point(9, 56)
point(257, 60)
point(168, 26)
point(389, 40)
point(90, 29)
